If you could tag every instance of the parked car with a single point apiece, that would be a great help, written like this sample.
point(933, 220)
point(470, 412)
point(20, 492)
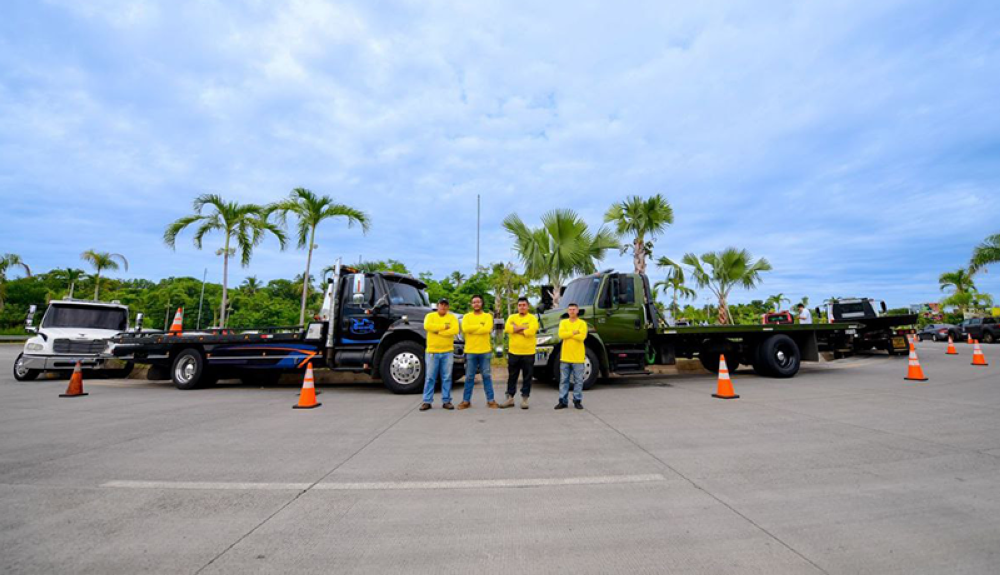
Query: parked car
point(984, 329)
point(936, 332)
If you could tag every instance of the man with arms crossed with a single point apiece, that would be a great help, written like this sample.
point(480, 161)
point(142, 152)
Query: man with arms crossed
point(477, 327)
point(441, 328)
point(522, 328)
point(573, 354)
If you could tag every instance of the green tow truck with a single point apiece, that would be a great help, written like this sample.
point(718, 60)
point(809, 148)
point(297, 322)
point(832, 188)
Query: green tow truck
point(627, 335)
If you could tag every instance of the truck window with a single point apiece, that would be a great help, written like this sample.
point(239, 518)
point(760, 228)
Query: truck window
point(401, 293)
point(582, 291)
point(85, 317)
point(629, 296)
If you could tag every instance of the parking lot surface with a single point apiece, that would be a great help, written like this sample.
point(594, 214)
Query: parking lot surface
point(846, 468)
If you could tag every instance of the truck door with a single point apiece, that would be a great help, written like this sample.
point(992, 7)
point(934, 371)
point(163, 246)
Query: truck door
point(357, 327)
point(620, 319)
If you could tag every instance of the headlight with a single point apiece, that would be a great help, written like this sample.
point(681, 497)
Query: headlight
point(543, 339)
point(34, 347)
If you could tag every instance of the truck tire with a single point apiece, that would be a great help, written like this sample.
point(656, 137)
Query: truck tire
point(988, 337)
point(22, 373)
point(709, 358)
point(779, 356)
point(189, 370)
point(402, 368)
point(591, 369)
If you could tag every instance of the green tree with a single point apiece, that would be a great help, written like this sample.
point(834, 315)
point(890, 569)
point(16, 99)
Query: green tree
point(70, 276)
point(7, 262)
point(674, 284)
point(250, 285)
point(311, 210)
point(773, 303)
point(561, 247)
point(986, 253)
point(962, 288)
point(246, 224)
point(640, 220)
point(389, 265)
point(457, 278)
point(506, 285)
point(721, 271)
point(103, 261)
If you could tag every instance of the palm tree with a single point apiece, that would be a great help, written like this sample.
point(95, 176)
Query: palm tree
point(640, 219)
point(311, 210)
point(8, 261)
point(986, 253)
point(506, 284)
point(103, 261)
point(245, 223)
point(250, 285)
point(726, 269)
point(959, 280)
point(561, 247)
point(71, 276)
point(774, 301)
point(457, 278)
point(674, 282)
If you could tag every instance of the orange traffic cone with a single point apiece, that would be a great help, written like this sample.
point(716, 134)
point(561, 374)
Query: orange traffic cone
point(970, 339)
point(178, 326)
point(725, 384)
point(75, 388)
point(307, 399)
point(951, 347)
point(915, 373)
point(977, 355)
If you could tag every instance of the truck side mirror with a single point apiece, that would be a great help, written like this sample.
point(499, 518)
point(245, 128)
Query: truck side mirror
point(819, 312)
point(883, 307)
point(138, 321)
point(30, 320)
point(358, 298)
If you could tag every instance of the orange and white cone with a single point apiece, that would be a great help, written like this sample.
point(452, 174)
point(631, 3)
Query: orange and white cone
point(969, 341)
point(951, 347)
point(725, 384)
point(915, 372)
point(977, 355)
point(307, 399)
point(178, 326)
point(75, 388)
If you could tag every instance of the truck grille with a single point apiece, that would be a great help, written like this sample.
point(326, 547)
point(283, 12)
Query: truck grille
point(71, 346)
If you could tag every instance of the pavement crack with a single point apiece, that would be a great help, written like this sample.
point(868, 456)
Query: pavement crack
point(697, 486)
point(306, 490)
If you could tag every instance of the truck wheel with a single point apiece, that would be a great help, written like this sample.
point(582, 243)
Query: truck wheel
point(403, 368)
point(591, 369)
point(779, 356)
point(22, 373)
point(988, 337)
point(188, 370)
point(709, 358)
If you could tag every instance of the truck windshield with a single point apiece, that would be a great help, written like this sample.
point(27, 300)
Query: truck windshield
point(86, 317)
point(406, 294)
point(582, 291)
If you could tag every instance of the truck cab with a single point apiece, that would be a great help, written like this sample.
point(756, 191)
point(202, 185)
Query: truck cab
point(984, 329)
point(72, 331)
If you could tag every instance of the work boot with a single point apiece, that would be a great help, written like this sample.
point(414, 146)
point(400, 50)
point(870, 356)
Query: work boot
point(509, 402)
point(464, 405)
point(524, 402)
point(561, 405)
point(577, 404)
point(492, 404)
point(425, 406)
point(448, 406)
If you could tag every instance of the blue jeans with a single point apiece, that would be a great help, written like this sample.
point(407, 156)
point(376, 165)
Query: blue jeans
point(438, 363)
point(478, 362)
point(570, 372)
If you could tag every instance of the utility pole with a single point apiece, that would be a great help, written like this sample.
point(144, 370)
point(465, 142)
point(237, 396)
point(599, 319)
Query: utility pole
point(202, 298)
point(477, 230)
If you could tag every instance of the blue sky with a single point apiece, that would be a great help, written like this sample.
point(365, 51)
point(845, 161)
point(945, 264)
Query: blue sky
point(854, 144)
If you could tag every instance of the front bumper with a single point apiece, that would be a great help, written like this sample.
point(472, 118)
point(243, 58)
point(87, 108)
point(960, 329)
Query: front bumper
point(53, 362)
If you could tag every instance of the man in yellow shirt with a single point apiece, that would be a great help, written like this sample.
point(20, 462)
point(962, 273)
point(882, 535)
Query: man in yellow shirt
point(477, 327)
point(572, 332)
point(522, 328)
point(441, 328)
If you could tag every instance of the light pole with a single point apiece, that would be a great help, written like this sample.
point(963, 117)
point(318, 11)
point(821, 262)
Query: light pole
point(202, 298)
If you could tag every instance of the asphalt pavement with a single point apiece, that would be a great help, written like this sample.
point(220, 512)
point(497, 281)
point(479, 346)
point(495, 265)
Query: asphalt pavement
point(846, 468)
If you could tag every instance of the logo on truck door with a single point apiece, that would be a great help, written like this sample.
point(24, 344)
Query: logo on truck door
point(362, 325)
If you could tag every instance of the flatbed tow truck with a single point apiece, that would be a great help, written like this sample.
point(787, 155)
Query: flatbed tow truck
point(373, 323)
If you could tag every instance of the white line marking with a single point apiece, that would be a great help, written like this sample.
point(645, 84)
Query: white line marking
point(391, 485)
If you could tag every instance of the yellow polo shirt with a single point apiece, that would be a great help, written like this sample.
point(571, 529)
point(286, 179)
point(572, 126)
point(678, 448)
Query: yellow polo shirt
point(477, 328)
point(522, 343)
point(573, 348)
point(439, 338)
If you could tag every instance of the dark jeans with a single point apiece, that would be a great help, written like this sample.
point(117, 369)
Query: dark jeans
point(520, 364)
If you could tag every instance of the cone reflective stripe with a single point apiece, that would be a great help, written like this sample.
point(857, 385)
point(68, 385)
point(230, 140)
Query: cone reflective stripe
point(914, 373)
point(725, 384)
point(75, 388)
point(307, 399)
point(178, 325)
point(951, 347)
point(977, 355)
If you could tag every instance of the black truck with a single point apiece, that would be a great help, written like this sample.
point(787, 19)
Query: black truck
point(370, 323)
point(878, 331)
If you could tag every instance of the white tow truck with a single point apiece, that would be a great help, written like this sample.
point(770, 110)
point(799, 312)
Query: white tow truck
point(72, 331)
